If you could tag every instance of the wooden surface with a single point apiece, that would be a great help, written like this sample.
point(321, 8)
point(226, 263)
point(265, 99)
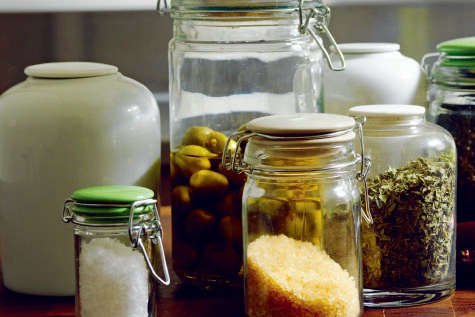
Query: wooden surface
point(177, 300)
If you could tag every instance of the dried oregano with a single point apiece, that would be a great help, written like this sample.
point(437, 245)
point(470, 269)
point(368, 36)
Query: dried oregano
point(411, 240)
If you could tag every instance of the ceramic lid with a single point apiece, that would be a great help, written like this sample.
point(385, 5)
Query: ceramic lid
point(70, 70)
point(363, 48)
point(301, 124)
point(372, 111)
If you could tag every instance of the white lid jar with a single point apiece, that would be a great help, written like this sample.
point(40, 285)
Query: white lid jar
point(301, 215)
point(375, 73)
point(409, 251)
point(68, 125)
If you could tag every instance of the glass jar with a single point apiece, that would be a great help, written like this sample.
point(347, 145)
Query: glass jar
point(113, 278)
point(301, 215)
point(409, 251)
point(229, 62)
point(452, 105)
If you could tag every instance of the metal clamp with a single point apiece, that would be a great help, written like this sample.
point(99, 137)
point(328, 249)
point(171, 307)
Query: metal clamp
point(428, 61)
point(362, 175)
point(322, 15)
point(67, 214)
point(229, 159)
point(136, 240)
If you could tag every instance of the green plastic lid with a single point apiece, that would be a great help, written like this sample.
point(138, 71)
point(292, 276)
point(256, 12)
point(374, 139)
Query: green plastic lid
point(458, 47)
point(113, 195)
point(460, 52)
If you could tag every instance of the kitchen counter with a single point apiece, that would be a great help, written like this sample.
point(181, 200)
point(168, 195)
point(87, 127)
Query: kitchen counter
point(178, 300)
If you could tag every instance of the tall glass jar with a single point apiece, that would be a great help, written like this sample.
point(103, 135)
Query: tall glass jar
point(229, 62)
point(409, 251)
point(112, 277)
point(451, 99)
point(301, 216)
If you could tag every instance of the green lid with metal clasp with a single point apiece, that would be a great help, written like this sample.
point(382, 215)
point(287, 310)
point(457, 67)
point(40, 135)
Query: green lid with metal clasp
point(110, 200)
point(459, 52)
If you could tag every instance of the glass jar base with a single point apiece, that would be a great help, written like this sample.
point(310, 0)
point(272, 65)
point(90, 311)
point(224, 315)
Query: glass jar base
point(374, 298)
point(209, 283)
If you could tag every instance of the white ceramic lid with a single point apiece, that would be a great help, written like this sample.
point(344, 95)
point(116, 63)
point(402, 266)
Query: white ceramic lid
point(70, 70)
point(301, 124)
point(387, 111)
point(362, 48)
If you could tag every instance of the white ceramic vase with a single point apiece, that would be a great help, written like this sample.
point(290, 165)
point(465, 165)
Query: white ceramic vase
point(69, 125)
point(376, 73)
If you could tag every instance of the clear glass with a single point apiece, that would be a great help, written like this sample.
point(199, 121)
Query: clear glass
point(301, 230)
point(112, 279)
point(409, 251)
point(226, 68)
point(454, 109)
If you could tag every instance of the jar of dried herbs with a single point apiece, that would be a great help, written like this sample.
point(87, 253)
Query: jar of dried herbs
point(409, 251)
point(452, 105)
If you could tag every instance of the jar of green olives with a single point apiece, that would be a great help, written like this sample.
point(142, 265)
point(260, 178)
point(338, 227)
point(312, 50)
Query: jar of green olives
point(231, 62)
point(301, 215)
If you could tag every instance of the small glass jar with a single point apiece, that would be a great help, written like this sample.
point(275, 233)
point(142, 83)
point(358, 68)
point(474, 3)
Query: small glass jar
point(113, 278)
point(230, 62)
point(301, 215)
point(451, 100)
point(409, 251)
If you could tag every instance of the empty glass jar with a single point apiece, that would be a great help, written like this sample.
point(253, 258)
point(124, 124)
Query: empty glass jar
point(452, 105)
point(112, 277)
point(409, 251)
point(301, 215)
point(230, 62)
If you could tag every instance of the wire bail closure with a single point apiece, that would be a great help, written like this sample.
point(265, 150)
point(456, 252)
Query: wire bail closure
point(322, 15)
point(135, 231)
point(428, 61)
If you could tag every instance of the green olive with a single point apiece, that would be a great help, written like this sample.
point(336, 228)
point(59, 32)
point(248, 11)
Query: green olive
point(224, 207)
point(217, 142)
point(181, 199)
point(195, 150)
point(207, 184)
point(199, 225)
point(231, 230)
point(188, 165)
point(197, 135)
point(205, 137)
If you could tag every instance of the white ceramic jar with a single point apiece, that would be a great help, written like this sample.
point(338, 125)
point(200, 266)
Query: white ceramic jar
point(376, 73)
point(67, 126)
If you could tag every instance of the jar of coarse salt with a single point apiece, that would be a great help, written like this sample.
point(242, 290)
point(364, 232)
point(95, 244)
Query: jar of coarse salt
point(118, 245)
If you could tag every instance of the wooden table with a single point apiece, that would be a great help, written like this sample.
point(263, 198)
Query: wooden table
point(177, 300)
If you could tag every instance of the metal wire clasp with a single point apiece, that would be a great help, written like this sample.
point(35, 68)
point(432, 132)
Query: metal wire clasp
point(137, 230)
point(362, 175)
point(428, 61)
point(322, 16)
point(234, 160)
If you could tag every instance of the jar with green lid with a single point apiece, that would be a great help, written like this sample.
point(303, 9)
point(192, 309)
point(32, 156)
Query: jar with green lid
point(301, 215)
point(118, 247)
point(451, 98)
point(409, 251)
point(231, 62)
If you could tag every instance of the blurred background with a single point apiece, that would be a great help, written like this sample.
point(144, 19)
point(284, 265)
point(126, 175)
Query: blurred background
point(136, 41)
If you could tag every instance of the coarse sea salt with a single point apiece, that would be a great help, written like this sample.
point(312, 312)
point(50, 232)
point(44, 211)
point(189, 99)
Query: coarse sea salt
point(113, 280)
